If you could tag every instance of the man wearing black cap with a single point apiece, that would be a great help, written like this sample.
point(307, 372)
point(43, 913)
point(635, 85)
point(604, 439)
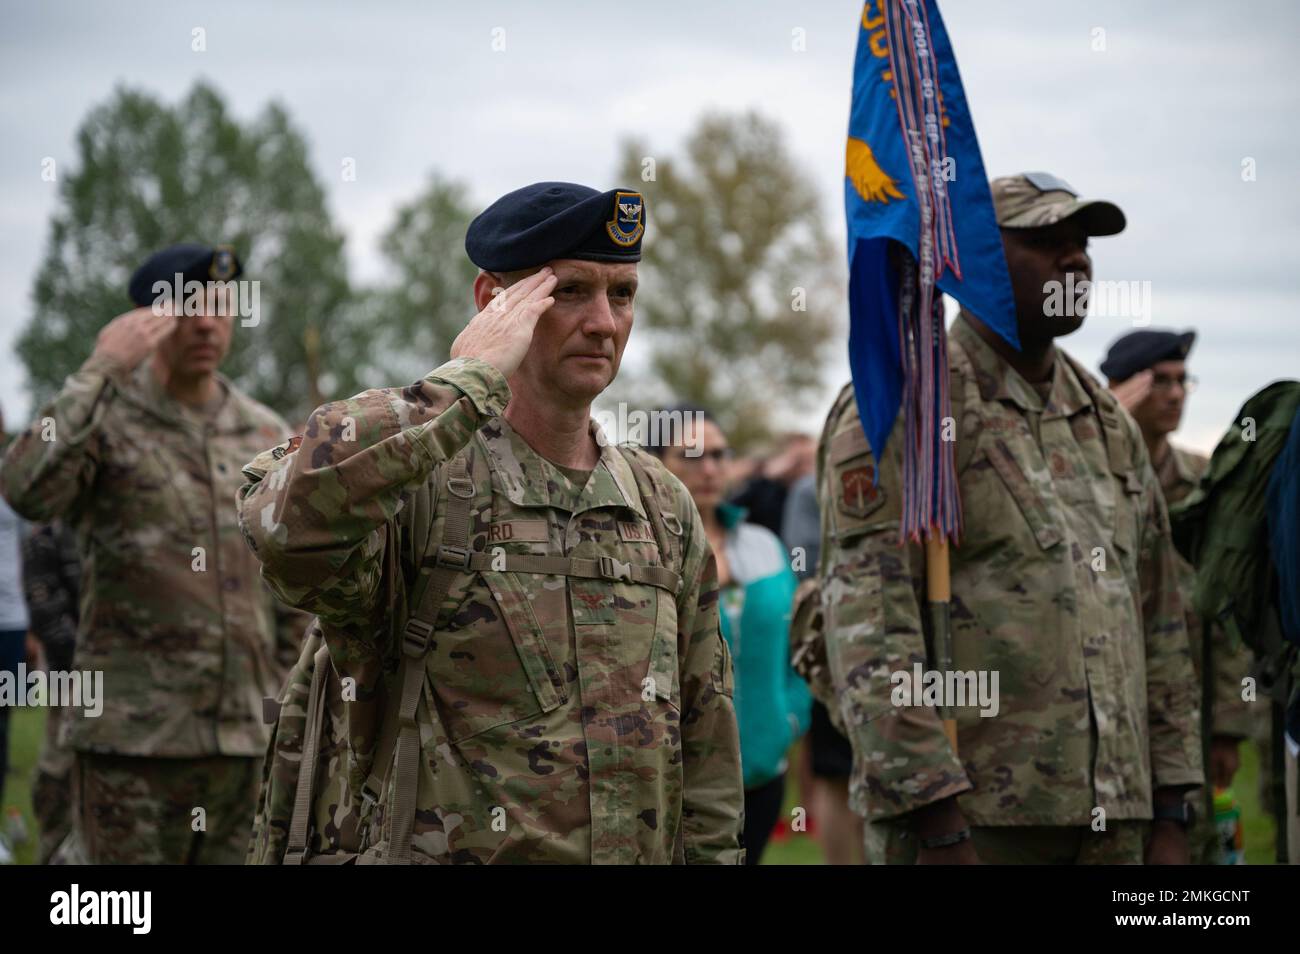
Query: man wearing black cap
point(1063, 588)
point(140, 454)
point(1147, 371)
point(529, 614)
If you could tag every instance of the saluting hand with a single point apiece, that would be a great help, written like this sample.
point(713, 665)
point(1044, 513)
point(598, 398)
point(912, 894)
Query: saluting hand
point(131, 337)
point(1134, 391)
point(502, 332)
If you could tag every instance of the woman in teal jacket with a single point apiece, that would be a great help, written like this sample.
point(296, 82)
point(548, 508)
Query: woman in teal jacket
point(773, 705)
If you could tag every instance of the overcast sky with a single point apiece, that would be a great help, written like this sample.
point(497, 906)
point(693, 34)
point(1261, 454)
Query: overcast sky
point(1160, 121)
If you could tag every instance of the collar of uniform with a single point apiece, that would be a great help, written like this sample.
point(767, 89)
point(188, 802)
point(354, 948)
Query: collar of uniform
point(526, 475)
point(234, 417)
point(238, 412)
point(612, 483)
point(997, 380)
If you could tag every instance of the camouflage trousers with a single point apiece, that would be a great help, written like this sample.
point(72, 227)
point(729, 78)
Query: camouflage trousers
point(133, 810)
point(52, 787)
point(1122, 843)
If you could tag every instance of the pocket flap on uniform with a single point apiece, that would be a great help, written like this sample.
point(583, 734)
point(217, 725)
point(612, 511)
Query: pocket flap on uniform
point(849, 442)
point(858, 499)
point(723, 677)
point(662, 680)
point(530, 642)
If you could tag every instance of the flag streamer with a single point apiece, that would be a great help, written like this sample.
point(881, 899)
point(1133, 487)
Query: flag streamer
point(931, 503)
point(921, 224)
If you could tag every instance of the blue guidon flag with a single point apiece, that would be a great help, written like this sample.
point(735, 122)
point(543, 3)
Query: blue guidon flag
point(920, 223)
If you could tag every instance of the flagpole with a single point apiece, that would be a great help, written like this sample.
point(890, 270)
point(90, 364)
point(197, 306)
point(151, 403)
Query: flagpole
point(938, 591)
point(909, 127)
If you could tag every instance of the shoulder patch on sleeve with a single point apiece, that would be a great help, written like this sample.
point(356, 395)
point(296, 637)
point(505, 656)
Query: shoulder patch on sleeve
point(857, 493)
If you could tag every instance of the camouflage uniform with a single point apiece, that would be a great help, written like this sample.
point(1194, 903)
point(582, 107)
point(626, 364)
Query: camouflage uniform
point(573, 720)
point(173, 614)
point(145, 811)
point(51, 584)
point(1227, 714)
point(1096, 693)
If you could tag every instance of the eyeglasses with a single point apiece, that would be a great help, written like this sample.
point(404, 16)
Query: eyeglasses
point(1163, 382)
point(719, 455)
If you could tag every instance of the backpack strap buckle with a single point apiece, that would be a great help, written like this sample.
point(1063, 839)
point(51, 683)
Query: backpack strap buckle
point(612, 569)
point(461, 487)
point(457, 558)
point(415, 637)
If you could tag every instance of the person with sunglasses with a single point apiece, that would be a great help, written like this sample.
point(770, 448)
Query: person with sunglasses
point(756, 587)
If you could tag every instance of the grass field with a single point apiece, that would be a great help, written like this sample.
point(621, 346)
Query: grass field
point(27, 729)
point(799, 849)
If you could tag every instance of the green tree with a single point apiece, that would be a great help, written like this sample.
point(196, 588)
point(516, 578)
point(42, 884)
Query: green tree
point(149, 175)
point(411, 323)
point(741, 286)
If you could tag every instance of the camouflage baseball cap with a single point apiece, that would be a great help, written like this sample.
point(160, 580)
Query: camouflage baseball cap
point(1034, 199)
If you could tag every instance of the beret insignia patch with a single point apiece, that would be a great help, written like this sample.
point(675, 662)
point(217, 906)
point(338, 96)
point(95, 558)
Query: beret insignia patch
point(627, 224)
point(859, 496)
point(223, 263)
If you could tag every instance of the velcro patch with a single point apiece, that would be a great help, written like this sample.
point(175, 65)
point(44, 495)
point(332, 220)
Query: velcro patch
point(859, 496)
point(633, 532)
point(527, 531)
point(287, 448)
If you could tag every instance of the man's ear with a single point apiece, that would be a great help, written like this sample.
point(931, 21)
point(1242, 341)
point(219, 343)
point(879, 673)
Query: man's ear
point(486, 287)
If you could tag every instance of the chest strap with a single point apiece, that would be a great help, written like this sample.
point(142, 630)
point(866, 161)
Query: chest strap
point(463, 560)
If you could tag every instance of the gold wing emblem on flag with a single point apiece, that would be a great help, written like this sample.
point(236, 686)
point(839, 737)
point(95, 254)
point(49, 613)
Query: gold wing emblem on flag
point(870, 181)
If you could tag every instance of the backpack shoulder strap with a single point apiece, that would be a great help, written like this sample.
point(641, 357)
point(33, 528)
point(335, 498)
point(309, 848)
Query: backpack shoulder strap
point(295, 852)
point(437, 572)
point(658, 503)
point(668, 530)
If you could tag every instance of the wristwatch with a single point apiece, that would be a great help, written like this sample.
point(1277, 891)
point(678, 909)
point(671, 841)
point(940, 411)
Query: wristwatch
point(1183, 813)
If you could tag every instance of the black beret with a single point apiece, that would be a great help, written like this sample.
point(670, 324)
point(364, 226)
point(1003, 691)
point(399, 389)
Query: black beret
point(194, 263)
point(1139, 350)
point(548, 220)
